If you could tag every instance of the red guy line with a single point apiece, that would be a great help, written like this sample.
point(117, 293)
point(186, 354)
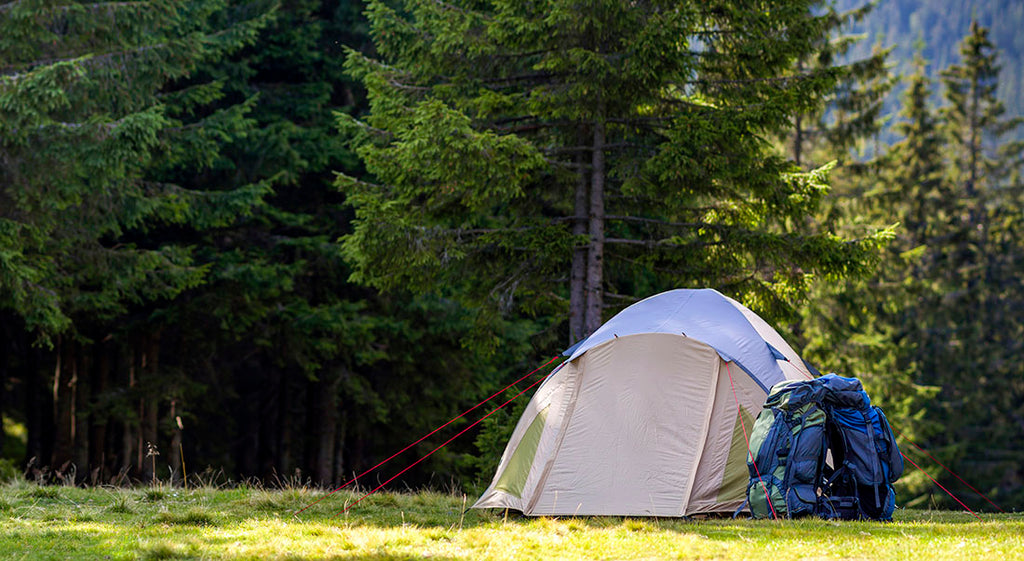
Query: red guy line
point(940, 486)
point(980, 494)
point(446, 442)
point(743, 426)
point(424, 437)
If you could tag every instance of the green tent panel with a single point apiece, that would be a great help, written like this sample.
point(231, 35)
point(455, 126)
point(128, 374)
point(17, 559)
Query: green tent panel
point(735, 477)
point(513, 477)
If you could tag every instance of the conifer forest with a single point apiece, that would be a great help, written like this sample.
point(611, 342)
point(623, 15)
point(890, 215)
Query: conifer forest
point(278, 241)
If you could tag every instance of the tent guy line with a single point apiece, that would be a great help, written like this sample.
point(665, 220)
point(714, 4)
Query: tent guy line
point(424, 437)
point(446, 442)
point(663, 353)
point(905, 457)
point(951, 472)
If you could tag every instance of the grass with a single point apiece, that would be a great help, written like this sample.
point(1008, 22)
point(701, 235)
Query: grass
point(250, 523)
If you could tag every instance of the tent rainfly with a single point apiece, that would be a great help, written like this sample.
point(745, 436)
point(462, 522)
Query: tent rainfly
point(647, 416)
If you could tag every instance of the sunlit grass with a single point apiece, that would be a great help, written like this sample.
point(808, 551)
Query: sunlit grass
point(251, 523)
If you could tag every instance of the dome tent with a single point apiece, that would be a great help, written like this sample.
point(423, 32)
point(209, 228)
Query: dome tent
point(647, 415)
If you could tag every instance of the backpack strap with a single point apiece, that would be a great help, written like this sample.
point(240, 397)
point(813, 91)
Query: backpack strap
point(872, 447)
point(740, 509)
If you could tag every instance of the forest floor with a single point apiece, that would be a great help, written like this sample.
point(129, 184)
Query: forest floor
point(251, 523)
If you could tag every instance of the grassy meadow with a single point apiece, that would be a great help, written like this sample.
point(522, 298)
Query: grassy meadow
point(253, 523)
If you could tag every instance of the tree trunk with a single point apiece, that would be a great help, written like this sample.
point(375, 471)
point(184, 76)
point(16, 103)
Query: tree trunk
point(81, 395)
point(38, 409)
point(246, 461)
point(128, 427)
point(139, 368)
point(174, 454)
point(270, 418)
point(284, 433)
point(99, 419)
point(339, 450)
point(5, 353)
point(973, 147)
point(63, 420)
point(578, 275)
point(595, 254)
point(149, 408)
point(326, 414)
point(798, 140)
point(149, 438)
point(798, 130)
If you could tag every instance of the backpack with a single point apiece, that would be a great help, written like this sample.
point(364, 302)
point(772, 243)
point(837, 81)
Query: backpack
point(865, 458)
point(787, 447)
point(820, 448)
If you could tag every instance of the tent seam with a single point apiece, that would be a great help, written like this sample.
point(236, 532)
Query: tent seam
point(567, 418)
point(705, 427)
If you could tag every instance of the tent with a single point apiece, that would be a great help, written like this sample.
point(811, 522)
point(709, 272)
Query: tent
point(647, 415)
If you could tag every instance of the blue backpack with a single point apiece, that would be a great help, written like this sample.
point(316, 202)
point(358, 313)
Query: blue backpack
point(820, 448)
point(865, 458)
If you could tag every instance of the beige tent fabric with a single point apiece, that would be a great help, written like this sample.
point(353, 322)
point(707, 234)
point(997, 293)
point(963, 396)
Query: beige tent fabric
point(631, 444)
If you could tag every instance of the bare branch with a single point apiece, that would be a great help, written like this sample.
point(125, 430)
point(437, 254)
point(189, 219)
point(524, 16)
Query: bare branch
point(659, 222)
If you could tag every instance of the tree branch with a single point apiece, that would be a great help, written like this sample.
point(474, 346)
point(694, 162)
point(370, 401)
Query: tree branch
point(659, 222)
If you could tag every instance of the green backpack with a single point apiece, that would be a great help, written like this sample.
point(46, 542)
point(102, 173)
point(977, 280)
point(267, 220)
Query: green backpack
point(787, 448)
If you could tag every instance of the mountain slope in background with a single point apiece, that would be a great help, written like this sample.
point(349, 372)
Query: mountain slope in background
point(937, 27)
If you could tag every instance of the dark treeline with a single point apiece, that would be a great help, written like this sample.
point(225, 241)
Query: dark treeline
point(283, 241)
point(182, 292)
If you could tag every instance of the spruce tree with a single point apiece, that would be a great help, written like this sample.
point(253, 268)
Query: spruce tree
point(320, 376)
point(566, 156)
point(88, 107)
point(975, 328)
point(98, 106)
point(845, 118)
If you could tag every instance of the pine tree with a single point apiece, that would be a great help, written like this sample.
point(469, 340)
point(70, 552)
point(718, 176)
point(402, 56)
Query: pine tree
point(848, 116)
point(973, 355)
point(97, 104)
point(85, 111)
point(545, 157)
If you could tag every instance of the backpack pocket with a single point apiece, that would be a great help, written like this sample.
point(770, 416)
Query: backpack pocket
point(891, 455)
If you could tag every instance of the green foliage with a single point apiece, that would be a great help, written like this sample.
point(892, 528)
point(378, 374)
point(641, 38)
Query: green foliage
point(83, 117)
point(931, 332)
point(861, 327)
point(971, 348)
point(839, 121)
point(168, 222)
point(489, 121)
point(934, 29)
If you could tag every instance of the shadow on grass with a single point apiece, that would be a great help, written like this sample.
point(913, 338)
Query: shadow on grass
point(108, 542)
